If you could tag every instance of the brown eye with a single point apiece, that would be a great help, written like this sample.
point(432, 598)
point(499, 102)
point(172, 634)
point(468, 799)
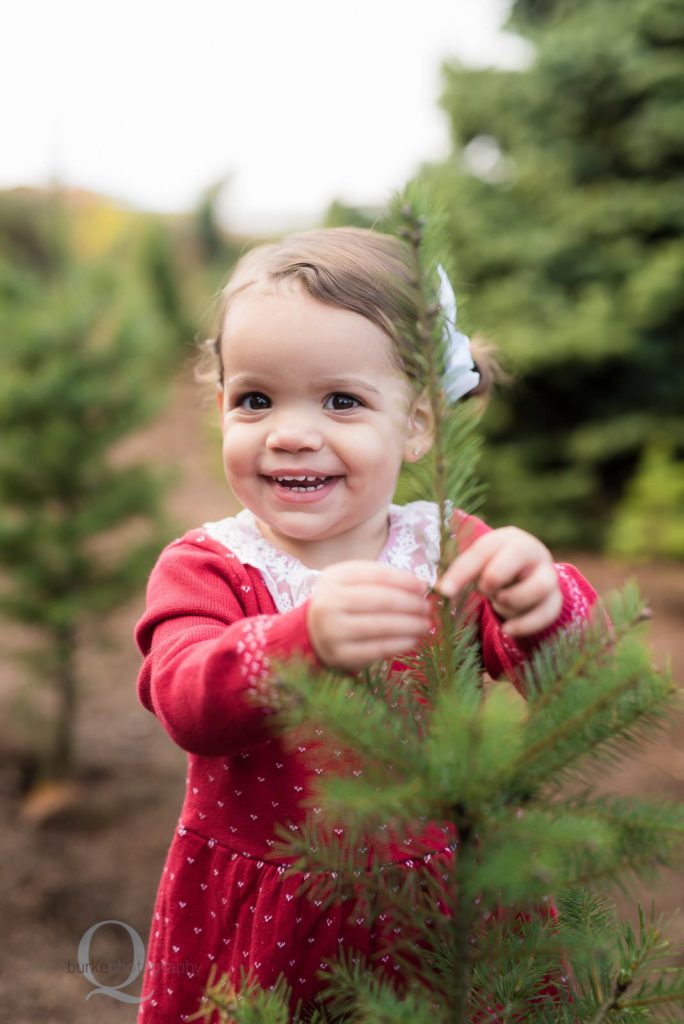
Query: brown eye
point(341, 402)
point(255, 401)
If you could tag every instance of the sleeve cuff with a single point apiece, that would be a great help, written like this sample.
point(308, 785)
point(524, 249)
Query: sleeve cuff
point(289, 635)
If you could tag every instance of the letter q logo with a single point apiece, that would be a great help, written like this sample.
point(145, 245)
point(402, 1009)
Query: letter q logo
point(112, 990)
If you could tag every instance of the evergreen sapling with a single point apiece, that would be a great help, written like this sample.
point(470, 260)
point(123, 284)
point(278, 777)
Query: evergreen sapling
point(78, 530)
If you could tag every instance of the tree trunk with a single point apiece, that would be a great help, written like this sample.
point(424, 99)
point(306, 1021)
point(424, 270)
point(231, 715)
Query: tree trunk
point(62, 757)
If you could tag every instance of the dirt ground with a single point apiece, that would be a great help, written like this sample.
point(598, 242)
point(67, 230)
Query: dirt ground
point(99, 858)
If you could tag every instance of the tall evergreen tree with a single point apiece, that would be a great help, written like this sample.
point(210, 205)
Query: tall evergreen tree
point(565, 193)
point(167, 283)
point(513, 782)
point(74, 524)
point(216, 247)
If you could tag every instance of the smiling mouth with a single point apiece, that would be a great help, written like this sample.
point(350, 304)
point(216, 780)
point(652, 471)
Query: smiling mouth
point(301, 483)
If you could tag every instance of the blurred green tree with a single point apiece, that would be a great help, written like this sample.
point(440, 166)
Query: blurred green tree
point(340, 214)
point(32, 229)
point(168, 286)
point(566, 197)
point(215, 246)
point(79, 524)
point(651, 519)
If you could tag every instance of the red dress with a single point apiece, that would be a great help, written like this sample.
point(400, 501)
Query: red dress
point(210, 627)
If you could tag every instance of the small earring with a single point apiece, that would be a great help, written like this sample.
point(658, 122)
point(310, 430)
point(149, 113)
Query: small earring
point(417, 451)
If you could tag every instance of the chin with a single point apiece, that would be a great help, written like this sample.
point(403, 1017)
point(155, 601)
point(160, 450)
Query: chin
point(298, 531)
point(300, 527)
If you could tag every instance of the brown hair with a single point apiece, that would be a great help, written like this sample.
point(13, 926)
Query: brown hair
point(357, 269)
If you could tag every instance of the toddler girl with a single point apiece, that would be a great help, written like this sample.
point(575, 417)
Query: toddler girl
point(318, 411)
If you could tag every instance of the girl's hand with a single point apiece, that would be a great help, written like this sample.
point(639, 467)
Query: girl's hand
point(363, 611)
point(516, 572)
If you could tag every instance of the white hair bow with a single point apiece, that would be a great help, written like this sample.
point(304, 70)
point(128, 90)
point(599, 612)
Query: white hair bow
point(461, 375)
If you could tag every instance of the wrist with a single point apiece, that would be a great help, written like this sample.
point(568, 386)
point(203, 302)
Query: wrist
point(315, 641)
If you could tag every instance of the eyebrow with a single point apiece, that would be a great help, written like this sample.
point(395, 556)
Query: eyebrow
point(243, 380)
point(251, 380)
point(343, 382)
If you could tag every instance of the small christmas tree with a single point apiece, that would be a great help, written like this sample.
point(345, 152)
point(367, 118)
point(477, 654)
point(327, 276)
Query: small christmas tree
point(75, 537)
point(511, 781)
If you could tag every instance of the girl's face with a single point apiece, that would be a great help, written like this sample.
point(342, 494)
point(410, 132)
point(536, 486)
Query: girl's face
point(310, 391)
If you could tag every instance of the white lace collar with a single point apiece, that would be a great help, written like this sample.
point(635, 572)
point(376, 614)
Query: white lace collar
point(412, 543)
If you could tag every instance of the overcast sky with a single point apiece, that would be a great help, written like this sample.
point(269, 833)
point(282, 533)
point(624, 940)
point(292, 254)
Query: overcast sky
point(298, 101)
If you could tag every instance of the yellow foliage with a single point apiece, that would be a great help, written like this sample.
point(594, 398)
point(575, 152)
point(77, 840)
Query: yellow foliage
point(97, 226)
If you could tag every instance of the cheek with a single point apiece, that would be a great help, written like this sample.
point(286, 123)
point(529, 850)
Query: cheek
point(238, 448)
point(377, 442)
point(377, 456)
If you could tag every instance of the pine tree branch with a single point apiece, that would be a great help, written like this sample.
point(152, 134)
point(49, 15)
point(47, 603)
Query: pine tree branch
point(588, 653)
point(355, 993)
point(623, 981)
point(573, 724)
point(663, 817)
point(248, 1004)
point(636, 954)
point(353, 713)
point(675, 996)
point(463, 921)
point(426, 327)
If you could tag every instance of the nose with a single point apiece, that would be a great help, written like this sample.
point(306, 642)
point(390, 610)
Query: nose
point(294, 432)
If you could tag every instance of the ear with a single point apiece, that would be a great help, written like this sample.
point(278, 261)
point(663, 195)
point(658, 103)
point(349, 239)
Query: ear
point(420, 428)
point(219, 400)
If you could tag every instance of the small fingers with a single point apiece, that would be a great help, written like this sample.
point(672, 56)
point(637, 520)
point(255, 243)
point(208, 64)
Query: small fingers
point(524, 596)
point(364, 572)
point(365, 652)
point(502, 572)
point(496, 561)
point(371, 599)
point(492, 561)
point(540, 618)
point(467, 567)
point(365, 627)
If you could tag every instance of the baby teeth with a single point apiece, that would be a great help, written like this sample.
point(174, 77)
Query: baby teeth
point(313, 486)
point(298, 478)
